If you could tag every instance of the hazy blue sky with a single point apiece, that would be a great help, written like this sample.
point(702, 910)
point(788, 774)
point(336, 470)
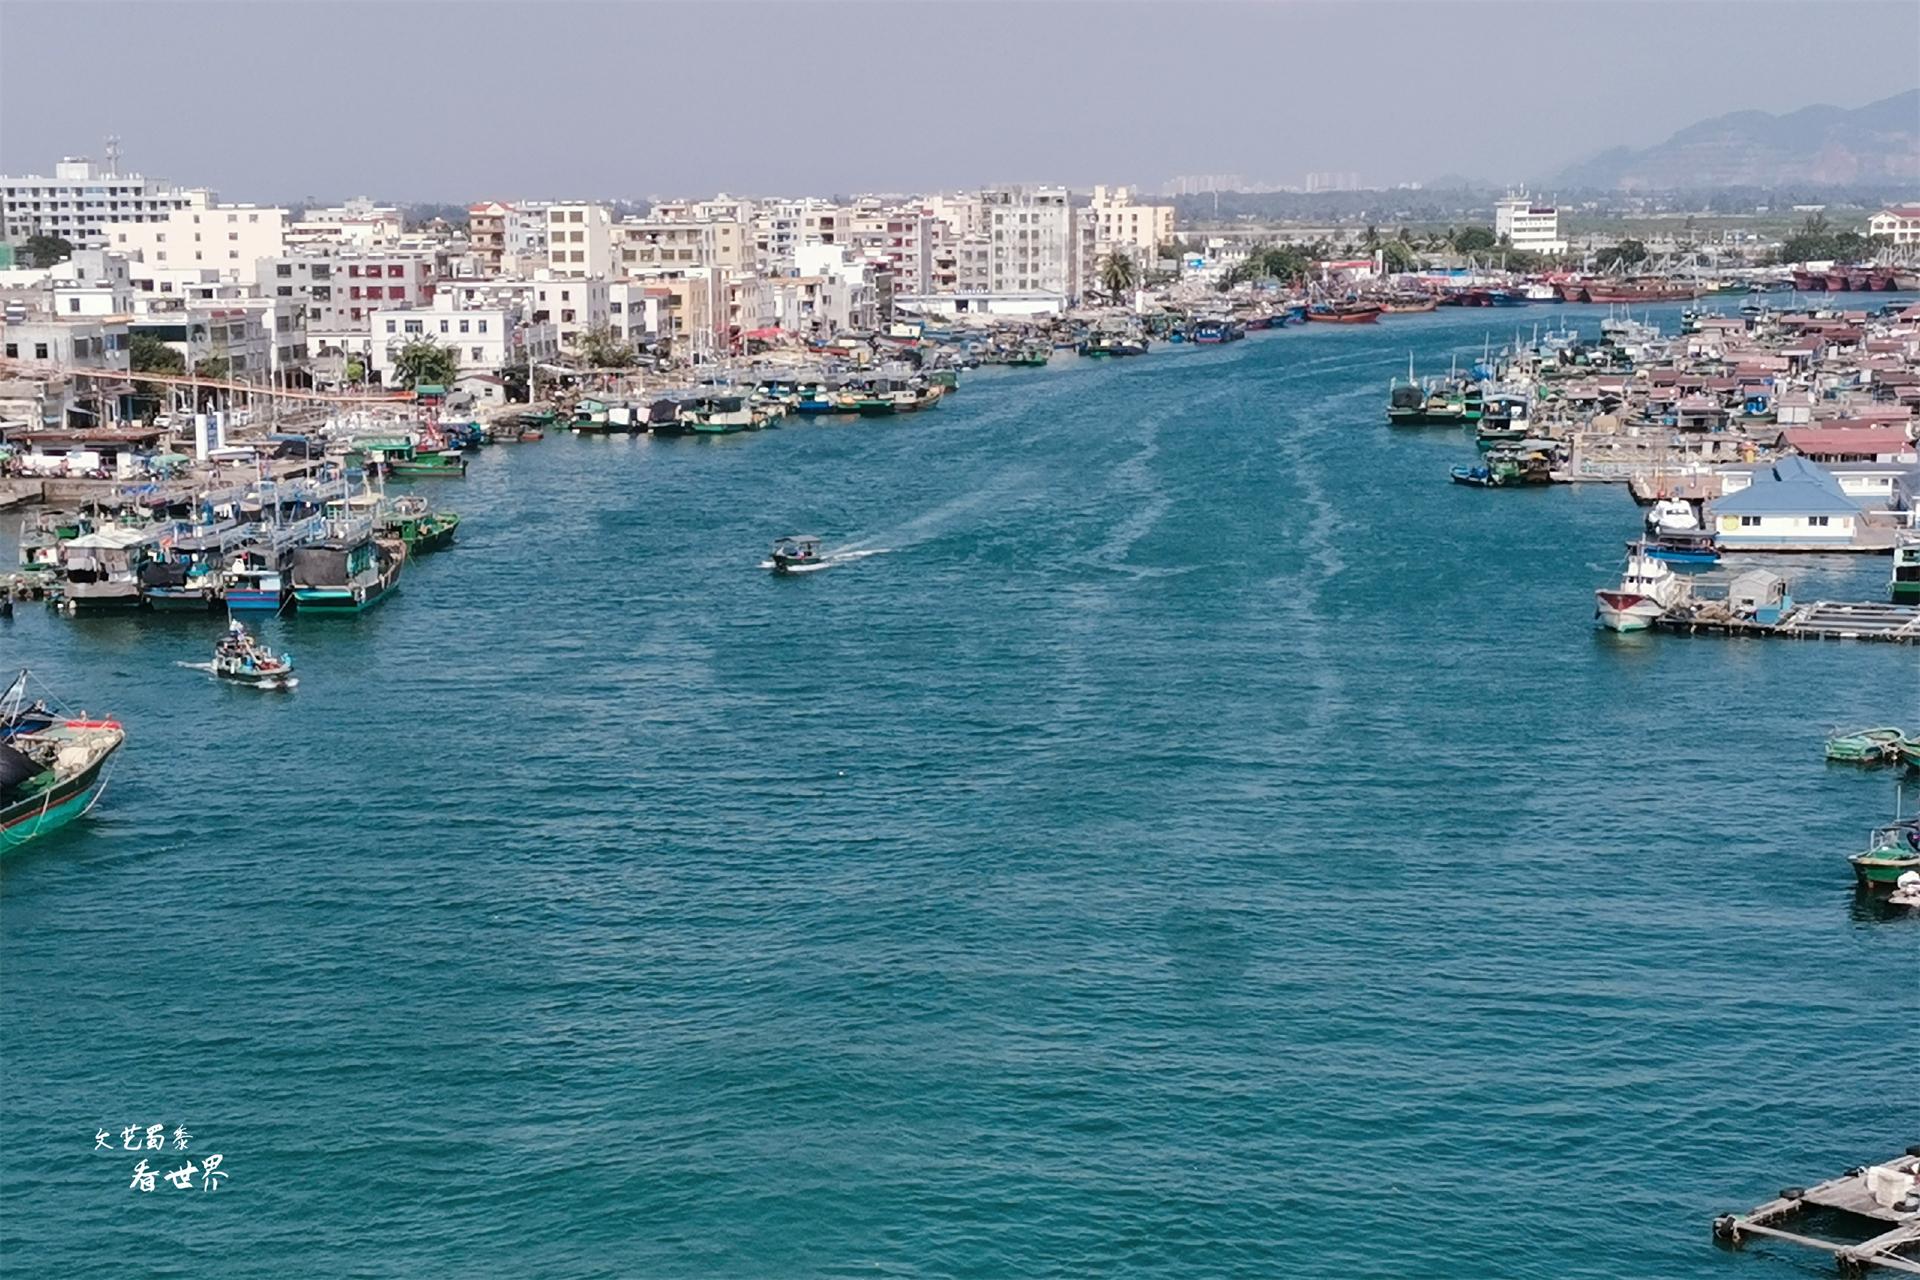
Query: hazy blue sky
point(278, 99)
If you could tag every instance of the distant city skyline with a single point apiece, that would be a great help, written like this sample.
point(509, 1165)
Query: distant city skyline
point(455, 101)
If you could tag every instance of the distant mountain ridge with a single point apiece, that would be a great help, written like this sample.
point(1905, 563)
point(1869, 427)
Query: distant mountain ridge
point(1817, 146)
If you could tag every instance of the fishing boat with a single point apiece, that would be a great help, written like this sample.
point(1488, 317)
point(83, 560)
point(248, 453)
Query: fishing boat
point(1408, 304)
point(1865, 746)
point(243, 660)
point(1892, 850)
point(430, 465)
point(102, 568)
point(1698, 547)
point(1647, 590)
point(1904, 586)
point(349, 572)
point(413, 521)
point(720, 415)
point(50, 773)
point(1344, 313)
point(795, 553)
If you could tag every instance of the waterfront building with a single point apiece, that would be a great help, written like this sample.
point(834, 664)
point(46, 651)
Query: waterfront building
point(227, 239)
point(81, 198)
point(483, 339)
point(1898, 223)
point(1529, 225)
point(1030, 242)
point(1788, 503)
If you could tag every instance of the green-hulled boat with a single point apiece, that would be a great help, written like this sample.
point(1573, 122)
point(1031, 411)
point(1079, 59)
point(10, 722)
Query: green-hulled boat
point(50, 767)
point(1891, 850)
point(1866, 746)
point(418, 525)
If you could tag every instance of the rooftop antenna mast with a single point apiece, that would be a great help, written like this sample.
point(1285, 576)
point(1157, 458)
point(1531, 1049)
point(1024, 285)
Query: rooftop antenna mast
point(113, 155)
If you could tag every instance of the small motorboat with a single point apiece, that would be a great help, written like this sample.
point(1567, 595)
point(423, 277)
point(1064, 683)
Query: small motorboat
point(244, 660)
point(1892, 853)
point(1865, 746)
point(1483, 477)
point(796, 553)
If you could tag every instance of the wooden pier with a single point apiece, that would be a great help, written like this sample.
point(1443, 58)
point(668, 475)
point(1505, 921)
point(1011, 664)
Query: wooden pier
point(1822, 620)
point(1883, 1199)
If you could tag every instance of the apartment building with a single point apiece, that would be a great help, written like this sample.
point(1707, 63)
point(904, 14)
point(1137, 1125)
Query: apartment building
point(656, 245)
point(580, 240)
point(341, 290)
point(485, 339)
point(1030, 241)
point(573, 305)
point(505, 237)
point(228, 239)
point(1122, 223)
point(1900, 224)
point(81, 198)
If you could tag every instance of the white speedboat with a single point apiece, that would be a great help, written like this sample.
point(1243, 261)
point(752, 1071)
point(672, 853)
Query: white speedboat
point(1672, 515)
point(1647, 590)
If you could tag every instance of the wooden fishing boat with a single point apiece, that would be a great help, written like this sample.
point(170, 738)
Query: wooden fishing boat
point(1891, 849)
point(1398, 306)
point(51, 768)
point(1865, 746)
point(1344, 313)
point(418, 525)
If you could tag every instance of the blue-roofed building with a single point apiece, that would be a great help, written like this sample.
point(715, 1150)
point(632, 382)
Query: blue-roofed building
point(1792, 505)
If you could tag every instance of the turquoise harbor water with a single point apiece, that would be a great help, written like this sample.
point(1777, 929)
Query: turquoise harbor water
point(1202, 841)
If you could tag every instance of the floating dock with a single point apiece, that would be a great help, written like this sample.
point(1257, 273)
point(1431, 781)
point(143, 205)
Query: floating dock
point(1884, 1200)
point(1822, 620)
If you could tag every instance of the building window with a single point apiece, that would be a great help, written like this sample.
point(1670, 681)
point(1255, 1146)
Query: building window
point(476, 354)
point(13, 351)
point(463, 326)
point(253, 217)
point(396, 271)
point(566, 317)
point(1749, 522)
point(39, 351)
point(1818, 522)
point(483, 326)
point(392, 326)
point(566, 295)
point(443, 326)
point(283, 270)
point(414, 326)
point(233, 235)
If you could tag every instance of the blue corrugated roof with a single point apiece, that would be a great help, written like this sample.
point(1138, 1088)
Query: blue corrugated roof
point(1792, 486)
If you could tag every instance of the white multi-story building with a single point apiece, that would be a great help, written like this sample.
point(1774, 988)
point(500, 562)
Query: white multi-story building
point(780, 227)
point(1529, 225)
point(229, 239)
point(573, 305)
point(485, 339)
point(961, 213)
point(1900, 224)
point(80, 199)
point(1030, 241)
point(360, 223)
point(580, 240)
point(506, 237)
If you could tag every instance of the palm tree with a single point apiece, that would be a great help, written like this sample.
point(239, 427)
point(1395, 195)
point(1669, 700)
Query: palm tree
point(1371, 237)
point(1118, 275)
point(425, 361)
